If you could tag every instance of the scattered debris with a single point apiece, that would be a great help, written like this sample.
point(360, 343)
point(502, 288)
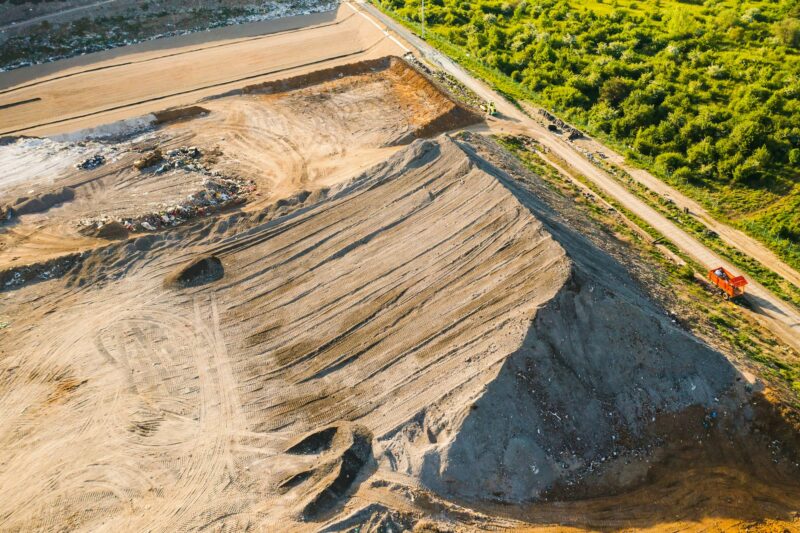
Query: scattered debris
point(92, 163)
point(217, 194)
point(559, 125)
point(54, 268)
point(149, 160)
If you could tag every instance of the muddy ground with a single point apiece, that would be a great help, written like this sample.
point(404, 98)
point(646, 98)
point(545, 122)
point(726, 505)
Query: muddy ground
point(394, 326)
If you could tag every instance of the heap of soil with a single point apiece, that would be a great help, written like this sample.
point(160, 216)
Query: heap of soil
point(177, 114)
point(597, 364)
point(495, 354)
point(43, 202)
point(149, 160)
point(111, 230)
point(414, 88)
point(344, 451)
point(199, 272)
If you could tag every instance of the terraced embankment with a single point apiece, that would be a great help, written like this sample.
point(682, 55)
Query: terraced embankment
point(430, 307)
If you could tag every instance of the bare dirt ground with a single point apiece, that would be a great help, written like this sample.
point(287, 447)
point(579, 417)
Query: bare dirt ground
point(282, 144)
point(143, 83)
point(395, 329)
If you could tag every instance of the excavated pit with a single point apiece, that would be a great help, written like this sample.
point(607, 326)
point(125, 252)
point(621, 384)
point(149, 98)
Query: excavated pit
point(274, 140)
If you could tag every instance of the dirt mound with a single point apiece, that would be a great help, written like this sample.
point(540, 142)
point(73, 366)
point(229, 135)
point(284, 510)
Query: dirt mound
point(177, 114)
point(414, 87)
point(315, 443)
point(110, 230)
point(596, 367)
point(373, 518)
point(43, 202)
point(199, 272)
point(340, 475)
point(149, 160)
point(313, 78)
point(493, 352)
point(597, 364)
point(343, 452)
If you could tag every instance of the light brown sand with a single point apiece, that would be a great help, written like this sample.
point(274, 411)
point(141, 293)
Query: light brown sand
point(158, 79)
point(506, 373)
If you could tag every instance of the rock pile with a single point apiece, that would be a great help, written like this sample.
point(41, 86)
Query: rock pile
point(572, 132)
point(91, 163)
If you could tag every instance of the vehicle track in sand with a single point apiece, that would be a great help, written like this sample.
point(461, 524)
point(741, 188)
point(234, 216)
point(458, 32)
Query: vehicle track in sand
point(431, 299)
point(156, 80)
point(394, 304)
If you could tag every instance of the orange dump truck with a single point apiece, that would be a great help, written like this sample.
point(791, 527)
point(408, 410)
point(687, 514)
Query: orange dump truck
point(732, 286)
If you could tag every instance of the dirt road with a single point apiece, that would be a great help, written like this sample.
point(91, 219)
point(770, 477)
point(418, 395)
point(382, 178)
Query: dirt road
point(781, 318)
point(155, 80)
point(729, 235)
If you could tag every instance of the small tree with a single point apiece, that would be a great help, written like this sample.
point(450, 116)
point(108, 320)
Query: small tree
point(788, 32)
point(614, 91)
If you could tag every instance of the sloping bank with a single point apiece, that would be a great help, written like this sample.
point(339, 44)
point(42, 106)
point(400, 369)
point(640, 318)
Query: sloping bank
point(588, 401)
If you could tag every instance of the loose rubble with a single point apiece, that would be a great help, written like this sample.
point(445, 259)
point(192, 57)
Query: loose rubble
point(92, 162)
point(217, 193)
point(558, 124)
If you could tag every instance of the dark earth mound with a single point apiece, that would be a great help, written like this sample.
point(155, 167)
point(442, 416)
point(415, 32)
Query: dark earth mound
point(198, 272)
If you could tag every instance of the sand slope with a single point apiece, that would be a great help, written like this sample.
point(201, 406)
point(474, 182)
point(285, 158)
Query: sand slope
point(425, 307)
point(300, 133)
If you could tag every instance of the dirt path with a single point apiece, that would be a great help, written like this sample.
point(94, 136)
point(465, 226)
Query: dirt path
point(168, 53)
point(731, 236)
point(156, 80)
point(781, 318)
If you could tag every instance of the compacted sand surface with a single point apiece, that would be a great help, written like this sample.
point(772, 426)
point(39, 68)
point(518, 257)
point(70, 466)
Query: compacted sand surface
point(279, 142)
point(390, 331)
